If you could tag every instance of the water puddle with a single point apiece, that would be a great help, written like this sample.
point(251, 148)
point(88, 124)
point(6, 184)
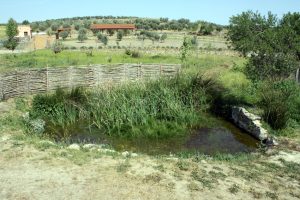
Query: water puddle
point(225, 138)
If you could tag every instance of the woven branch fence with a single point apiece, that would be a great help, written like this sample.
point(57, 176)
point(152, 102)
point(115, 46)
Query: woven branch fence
point(32, 81)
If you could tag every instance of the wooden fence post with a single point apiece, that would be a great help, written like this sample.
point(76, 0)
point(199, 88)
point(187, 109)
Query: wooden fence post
point(17, 83)
point(47, 79)
point(160, 70)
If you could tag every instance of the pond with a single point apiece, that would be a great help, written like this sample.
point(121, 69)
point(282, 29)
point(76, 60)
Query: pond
point(224, 138)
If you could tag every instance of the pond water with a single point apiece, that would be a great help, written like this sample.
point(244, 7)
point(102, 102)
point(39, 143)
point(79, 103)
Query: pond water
point(225, 138)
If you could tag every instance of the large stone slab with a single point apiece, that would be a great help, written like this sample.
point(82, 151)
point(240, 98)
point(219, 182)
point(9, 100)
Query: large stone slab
point(250, 123)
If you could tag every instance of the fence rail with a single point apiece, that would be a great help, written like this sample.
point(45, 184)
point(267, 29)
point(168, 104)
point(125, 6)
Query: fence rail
point(32, 81)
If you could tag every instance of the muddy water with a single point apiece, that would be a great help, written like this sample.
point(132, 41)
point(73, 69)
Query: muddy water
point(225, 138)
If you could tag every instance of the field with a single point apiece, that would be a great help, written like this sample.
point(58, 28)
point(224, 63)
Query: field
point(174, 40)
point(44, 58)
point(2, 32)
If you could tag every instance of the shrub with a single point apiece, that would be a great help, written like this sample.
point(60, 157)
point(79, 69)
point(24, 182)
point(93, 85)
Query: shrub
point(82, 35)
point(136, 54)
point(64, 34)
point(133, 53)
point(280, 101)
point(57, 47)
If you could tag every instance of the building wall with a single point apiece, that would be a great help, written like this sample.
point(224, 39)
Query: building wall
point(22, 31)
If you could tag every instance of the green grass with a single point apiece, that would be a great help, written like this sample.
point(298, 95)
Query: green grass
point(44, 58)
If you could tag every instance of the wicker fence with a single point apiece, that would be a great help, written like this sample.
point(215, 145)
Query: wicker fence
point(32, 81)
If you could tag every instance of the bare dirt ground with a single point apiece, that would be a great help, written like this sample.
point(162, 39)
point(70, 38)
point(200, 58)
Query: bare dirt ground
point(33, 168)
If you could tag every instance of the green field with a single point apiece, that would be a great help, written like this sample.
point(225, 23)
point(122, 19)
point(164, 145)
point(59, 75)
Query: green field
point(2, 32)
point(44, 58)
point(174, 40)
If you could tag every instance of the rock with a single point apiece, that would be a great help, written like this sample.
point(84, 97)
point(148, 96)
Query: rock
point(47, 142)
point(89, 146)
point(74, 147)
point(133, 155)
point(5, 138)
point(249, 122)
point(37, 125)
point(203, 162)
point(271, 142)
point(125, 154)
point(106, 150)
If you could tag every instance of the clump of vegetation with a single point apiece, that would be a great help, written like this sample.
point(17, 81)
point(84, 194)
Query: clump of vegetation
point(11, 31)
point(82, 35)
point(102, 38)
point(156, 109)
point(64, 34)
point(280, 102)
point(253, 35)
point(133, 53)
point(57, 47)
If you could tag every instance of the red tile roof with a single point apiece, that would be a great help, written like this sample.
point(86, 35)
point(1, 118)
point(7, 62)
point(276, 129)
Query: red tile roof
point(112, 26)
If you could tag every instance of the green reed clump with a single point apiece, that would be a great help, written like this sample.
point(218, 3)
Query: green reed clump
point(61, 108)
point(153, 109)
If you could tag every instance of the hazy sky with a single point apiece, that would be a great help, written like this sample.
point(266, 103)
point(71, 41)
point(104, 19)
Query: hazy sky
point(217, 11)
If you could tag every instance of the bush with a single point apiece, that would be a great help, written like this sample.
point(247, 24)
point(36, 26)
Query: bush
point(133, 53)
point(280, 101)
point(57, 47)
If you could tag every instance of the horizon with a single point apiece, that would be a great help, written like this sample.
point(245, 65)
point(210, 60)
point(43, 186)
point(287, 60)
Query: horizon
point(216, 11)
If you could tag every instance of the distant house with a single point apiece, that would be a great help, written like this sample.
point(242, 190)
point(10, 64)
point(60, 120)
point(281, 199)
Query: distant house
point(24, 31)
point(114, 27)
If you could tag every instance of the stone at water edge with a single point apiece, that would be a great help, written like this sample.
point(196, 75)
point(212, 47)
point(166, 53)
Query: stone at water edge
point(252, 124)
point(133, 154)
point(90, 146)
point(125, 154)
point(74, 146)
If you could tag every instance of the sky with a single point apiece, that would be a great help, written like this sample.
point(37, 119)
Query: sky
point(217, 11)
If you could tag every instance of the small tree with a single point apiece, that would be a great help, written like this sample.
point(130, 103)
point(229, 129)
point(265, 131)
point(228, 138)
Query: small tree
point(194, 42)
point(185, 49)
point(77, 26)
point(11, 32)
point(163, 37)
point(99, 36)
point(54, 27)
point(64, 34)
point(25, 22)
point(12, 28)
point(82, 35)
point(57, 47)
point(110, 32)
point(104, 40)
point(120, 35)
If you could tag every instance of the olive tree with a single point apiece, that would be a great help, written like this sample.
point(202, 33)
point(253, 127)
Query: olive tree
point(82, 35)
point(272, 45)
point(64, 34)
